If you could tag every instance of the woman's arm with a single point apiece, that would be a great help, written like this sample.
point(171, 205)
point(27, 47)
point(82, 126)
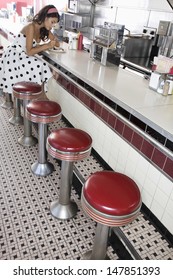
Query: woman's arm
point(40, 48)
point(53, 38)
point(30, 50)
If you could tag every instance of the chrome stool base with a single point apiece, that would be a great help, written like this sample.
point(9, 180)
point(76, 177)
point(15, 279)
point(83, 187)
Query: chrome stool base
point(63, 212)
point(16, 120)
point(42, 169)
point(88, 256)
point(8, 103)
point(27, 141)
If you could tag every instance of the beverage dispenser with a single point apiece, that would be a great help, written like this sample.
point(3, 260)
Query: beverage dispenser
point(107, 43)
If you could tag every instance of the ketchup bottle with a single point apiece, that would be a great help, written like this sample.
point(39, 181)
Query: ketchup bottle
point(80, 42)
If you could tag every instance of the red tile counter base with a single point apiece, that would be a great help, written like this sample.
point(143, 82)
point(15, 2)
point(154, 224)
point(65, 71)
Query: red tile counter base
point(151, 152)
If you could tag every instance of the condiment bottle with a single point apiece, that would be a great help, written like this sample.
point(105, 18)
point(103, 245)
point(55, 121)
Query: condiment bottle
point(80, 42)
point(165, 88)
point(74, 42)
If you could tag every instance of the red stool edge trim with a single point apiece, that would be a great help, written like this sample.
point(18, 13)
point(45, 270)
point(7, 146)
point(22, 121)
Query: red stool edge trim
point(43, 119)
point(27, 96)
point(97, 212)
point(68, 156)
point(109, 222)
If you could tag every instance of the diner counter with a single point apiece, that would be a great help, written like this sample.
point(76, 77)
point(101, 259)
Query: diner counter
point(127, 89)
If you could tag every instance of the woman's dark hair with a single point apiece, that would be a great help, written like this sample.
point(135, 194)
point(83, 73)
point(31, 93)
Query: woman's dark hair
point(40, 18)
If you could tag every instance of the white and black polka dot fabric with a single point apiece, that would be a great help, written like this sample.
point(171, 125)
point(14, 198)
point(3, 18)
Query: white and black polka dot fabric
point(16, 66)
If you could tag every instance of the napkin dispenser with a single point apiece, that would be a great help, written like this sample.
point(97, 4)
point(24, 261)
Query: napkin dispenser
point(154, 80)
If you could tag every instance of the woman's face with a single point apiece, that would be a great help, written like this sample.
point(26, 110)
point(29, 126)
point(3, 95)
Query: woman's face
point(50, 22)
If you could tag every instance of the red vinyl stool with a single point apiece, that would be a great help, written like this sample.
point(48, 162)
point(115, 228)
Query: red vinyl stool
point(68, 145)
point(112, 200)
point(27, 91)
point(43, 112)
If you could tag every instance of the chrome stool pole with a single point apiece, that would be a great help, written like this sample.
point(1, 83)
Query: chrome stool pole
point(42, 167)
point(27, 139)
point(16, 119)
point(64, 208)
point(99, 251)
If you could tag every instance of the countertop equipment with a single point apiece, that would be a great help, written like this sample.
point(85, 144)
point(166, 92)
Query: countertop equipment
point(79, 6)
point(107, 42)
point(139, 50)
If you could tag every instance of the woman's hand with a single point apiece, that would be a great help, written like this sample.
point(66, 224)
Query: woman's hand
point(51, 44)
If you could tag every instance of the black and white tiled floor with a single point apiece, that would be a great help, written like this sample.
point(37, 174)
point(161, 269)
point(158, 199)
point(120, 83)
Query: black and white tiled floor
point(28, 231)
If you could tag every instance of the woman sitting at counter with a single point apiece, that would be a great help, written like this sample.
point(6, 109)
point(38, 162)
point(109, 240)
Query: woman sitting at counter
point(18, 62)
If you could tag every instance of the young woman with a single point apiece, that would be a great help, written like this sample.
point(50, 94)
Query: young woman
point(18, 62)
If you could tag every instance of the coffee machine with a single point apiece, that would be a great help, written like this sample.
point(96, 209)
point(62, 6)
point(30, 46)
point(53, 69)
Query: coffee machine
point(107, 43)
point(163, 42)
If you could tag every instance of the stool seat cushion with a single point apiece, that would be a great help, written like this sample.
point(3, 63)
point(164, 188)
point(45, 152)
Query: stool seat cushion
point(70, 140)
point(43, 108)
point(112, 193)
point(27, 87)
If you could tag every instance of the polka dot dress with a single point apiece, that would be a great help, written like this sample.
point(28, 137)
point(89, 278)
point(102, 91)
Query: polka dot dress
point(16, 66)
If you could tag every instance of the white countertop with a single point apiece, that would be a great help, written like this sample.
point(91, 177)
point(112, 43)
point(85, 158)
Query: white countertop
point(127, 89)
